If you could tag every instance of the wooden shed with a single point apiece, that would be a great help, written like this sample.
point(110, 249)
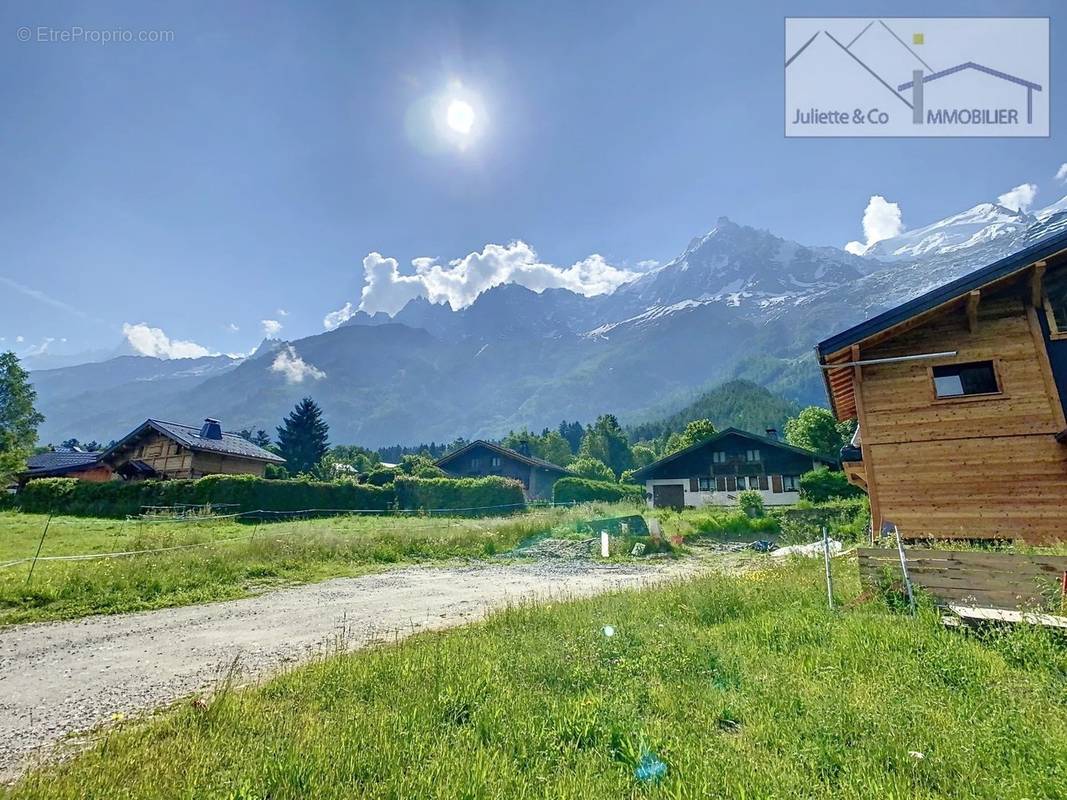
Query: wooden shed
point(959, 398)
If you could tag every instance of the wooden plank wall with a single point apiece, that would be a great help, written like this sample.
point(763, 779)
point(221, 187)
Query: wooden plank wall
point(986, 467)
point(991, 580)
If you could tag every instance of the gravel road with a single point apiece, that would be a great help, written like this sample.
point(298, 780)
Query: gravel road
point(62, 677)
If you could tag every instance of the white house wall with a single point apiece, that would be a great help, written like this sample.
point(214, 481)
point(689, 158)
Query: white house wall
point(770, 498)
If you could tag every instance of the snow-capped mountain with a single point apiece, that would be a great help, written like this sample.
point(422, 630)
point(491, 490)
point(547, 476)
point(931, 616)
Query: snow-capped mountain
point(984, 223)
point(736, 302)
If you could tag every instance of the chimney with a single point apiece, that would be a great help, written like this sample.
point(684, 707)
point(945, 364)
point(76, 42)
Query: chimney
point(211, 429)
point(772, 433)
point(523, 448)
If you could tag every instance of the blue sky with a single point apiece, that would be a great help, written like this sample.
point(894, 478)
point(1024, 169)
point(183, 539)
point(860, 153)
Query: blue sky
point(251, 164)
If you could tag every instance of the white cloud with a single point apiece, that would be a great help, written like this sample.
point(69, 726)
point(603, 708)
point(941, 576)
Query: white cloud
point(232, 327)
point(338, 317)
point(293, 367)
point(154, 342)
point(282, 312)
point(1061, 173)
point(459, 282)
point(42, 348)
point(271, 327)
point(881, 220)
point(1020, 198)
point(20, 339)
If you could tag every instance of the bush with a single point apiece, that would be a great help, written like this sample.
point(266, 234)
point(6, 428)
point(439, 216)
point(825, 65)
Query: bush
point(821, 485)
point(473, 494)
point(751, 502)
point(735, 524)
point(592, 469)
point(846, 520)
point(583, 490)
point(248, 492)
point(381, 476)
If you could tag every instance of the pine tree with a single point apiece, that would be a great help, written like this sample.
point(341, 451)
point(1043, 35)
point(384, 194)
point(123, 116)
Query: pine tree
point(18, 418)
point(302, 437)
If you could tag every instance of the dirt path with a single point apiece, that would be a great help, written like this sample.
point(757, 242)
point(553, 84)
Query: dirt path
point(61, 677)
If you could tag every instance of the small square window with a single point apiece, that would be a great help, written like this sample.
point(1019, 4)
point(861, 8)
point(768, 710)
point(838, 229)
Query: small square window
point(789, 483)
point(718, 457)
point(962, 380)
point(752, 455)
point(495, 462)
point(475, 463)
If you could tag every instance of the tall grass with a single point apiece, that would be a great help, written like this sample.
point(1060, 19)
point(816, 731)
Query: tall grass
point(744, 688)
point(233, 563)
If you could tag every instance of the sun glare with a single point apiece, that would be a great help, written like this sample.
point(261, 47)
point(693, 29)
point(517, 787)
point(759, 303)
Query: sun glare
point(460, 116)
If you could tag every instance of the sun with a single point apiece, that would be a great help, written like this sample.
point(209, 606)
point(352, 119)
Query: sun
point(460, 116)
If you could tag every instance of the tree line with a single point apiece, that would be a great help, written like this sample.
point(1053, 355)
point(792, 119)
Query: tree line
point(601, 450)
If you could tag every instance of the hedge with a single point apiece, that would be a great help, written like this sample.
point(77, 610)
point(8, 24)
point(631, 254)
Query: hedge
point(583, 490)
point(249, 493)
point(469, 494)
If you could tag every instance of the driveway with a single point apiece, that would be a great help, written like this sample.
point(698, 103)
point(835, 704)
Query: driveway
point(63, 677)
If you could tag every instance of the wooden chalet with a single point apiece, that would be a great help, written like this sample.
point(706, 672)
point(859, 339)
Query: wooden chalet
point(959, 397)
point(481, 458)
point(158, 449)
point(714, 471)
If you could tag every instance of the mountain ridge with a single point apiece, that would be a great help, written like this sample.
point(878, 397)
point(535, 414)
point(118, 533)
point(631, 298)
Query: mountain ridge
point(737, 302)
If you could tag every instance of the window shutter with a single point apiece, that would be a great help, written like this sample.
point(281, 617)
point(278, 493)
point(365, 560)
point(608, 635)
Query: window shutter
point(694, 485)
point(731, 483)
point(763, 482)
point(720, 483)
point(776, 484)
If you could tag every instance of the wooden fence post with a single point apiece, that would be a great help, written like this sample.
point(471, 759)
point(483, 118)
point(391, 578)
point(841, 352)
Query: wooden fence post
point(40, 544)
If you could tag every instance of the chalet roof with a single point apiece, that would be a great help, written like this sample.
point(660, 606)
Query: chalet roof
point(59, 463)
point(506, 452)
point(836, 348)
point(231, 444)
point(644, 472)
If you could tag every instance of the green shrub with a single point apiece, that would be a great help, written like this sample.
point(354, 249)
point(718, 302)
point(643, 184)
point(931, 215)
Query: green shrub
point(247, 492)
point(583, 490)
point(592, 469)
point(845, 520)
point(821, 485)
point(7, 501)
point(751, 502)
point(381, 476)
point(475, 494)
point(735, 523)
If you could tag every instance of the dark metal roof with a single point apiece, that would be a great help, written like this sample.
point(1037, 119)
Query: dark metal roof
point(506, 452)
point(1042, 249)
point(641, 473)
point(189, 436)
point(58, 463)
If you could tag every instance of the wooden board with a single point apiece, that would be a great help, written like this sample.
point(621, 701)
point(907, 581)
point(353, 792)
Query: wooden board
point(994, 580)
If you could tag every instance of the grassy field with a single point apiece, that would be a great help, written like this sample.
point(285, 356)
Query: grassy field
point(281, 552)
point(740, 687)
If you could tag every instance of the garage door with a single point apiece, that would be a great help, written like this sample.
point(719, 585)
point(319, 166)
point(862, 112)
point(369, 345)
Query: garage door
point(669, 495)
